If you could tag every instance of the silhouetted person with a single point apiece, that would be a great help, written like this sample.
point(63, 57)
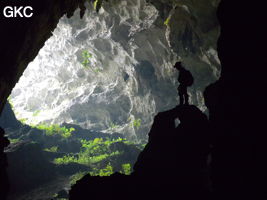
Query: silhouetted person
point(185, 79)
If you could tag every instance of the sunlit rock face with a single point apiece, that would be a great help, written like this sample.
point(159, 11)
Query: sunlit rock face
point(127, 75)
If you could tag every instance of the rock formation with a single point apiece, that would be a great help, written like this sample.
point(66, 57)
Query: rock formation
point(236, 105)
point(172, 165)
point(4, 184)
point(28, 167)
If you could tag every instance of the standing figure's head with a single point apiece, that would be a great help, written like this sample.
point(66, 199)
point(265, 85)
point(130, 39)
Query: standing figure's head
point(178, 65)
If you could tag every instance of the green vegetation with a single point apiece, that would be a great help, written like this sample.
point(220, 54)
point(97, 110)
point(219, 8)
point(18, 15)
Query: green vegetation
point(53, 149)
point(74, 178)
point(143, 146)
point(92, 152)
point(135, 122)
point(106, 171)
point(97, 5)
point(65, 160)
point(56, 130)
point(101, 155)
point(14, 140)
point(86, 58)
point(86, 61)
point(10, 102)
point(126, 169)
point(23, 120)
point(83, 158)
point(167, 21)
point(37, 112)
point(113, 126)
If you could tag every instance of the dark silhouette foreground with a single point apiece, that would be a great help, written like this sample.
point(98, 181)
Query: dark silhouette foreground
point(173, 164)
point(4, 186)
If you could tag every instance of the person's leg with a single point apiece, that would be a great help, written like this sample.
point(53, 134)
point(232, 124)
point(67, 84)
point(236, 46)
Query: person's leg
point(186, 96)
point(181, 99)
point(181, 96)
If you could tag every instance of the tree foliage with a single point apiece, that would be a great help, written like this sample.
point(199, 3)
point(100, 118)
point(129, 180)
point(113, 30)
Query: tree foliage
point(100, 155)
point(55, 129)
point(126, 169)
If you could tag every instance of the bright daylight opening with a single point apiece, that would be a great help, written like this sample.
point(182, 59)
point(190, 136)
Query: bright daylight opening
point(102, 73)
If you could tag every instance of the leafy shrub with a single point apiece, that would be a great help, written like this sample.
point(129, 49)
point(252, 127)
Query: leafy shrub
point(64, 160)
point(86, 58)
point(126, 169)
point(53, 149)
point(137, 123)
point(106, 171)
point(96, 154)
point(56, 130)
point(14, 140)
point(87, 61)
point(113, 126)
point(92, 152)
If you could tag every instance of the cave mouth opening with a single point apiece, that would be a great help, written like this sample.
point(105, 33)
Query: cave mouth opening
point(104, 72)
point(98, 82)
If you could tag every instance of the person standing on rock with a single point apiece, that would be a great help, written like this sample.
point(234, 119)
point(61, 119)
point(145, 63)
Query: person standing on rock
point(185, 79)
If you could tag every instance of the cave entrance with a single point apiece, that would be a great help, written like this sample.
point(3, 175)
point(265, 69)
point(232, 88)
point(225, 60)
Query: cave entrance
point(87, 101)
point(105, 72)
